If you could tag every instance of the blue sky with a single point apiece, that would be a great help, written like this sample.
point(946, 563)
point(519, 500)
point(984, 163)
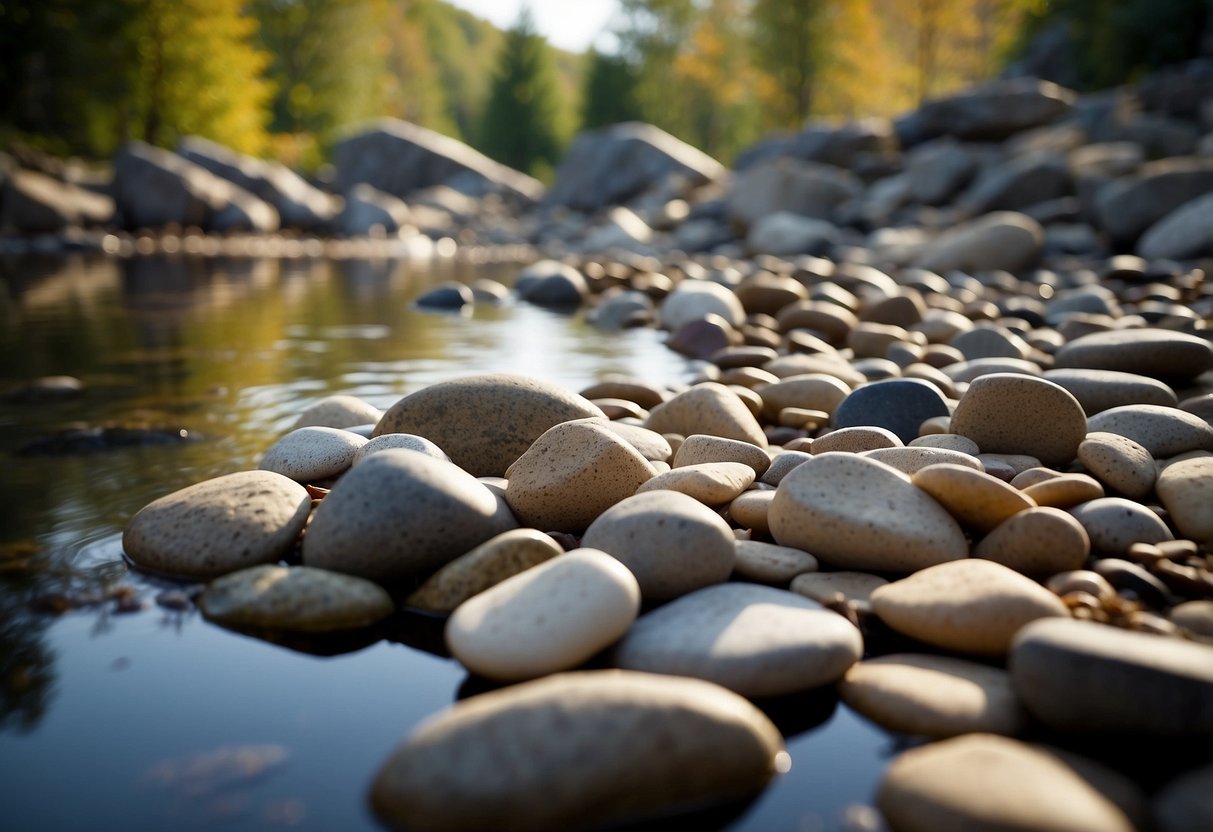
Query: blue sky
point(568, 24)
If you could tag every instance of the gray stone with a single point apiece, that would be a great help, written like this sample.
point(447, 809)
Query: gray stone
point(1002, 240)
point(367, 210)
point(783, 234)
point(1157, 353)
point(900, 405)
point(804, 188)
point(1127, 207)
point(449, 295)
point(1018, 183)
point(1184, 234)
point(553, 284)
point(34, 203)
point(938, 170)
point(295, 598)
point(1186, 803)
point(1163, 431)
point(312, 453)
point(1099, 390)
point(994, 111)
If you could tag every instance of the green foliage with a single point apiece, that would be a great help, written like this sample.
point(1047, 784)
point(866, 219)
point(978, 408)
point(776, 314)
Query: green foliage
point(610, 91)
point(463, 49)
point(788, 47)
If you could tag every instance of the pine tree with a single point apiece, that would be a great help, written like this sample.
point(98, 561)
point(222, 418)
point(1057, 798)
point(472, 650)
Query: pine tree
point(610, 91)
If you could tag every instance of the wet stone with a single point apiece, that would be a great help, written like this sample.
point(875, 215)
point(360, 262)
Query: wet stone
point(487, 565)
point(899, 405)
point(294, 598)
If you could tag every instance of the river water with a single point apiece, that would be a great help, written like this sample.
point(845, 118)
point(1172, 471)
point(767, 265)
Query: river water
point(156, 719)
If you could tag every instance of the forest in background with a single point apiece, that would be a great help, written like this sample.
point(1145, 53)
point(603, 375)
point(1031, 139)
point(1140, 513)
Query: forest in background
point(285, 78)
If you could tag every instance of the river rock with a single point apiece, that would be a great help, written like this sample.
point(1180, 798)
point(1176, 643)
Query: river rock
point(1099, 390)
point(313, 453)
point(806, 189)
point(1185, 803)
point(294, 598)
point(1184, 234)
point(1186, 490)
point(855, 440)
point(1001, 240)
point(452, 414)
point(990, 112)
point(1162, 431)
point(405, 441)
point(219, 525)
point(693, 300)
point(933, 696)
point(784, 234)
point(1114, 524)
point(814, 391)
point(487, 565)
point(856, 587)
point(1064, 490)
point(751, 511)
point(646, 745)
point(671, 542)
point(825, 507)
point(548, 618)
point(912, 460)
point(651, 444)
point(1037, 541)
point(984, 782)
point(1119, 463)
point(1128, 206)
point(1157, 353)
point(401, 515)
point(571, 474)
point(449, 295)
point(707, 408)
point(971, 606)
point(552, 284)
point(339, 411)
point(711, 483)
point(900, 405)
point(700, 448)
point(754, 640)
point(366, 210)
point(1086, 677)
point(35, 203)
point(782, 464)
point(974, 498)
point(771, 564)
point(1005, 413)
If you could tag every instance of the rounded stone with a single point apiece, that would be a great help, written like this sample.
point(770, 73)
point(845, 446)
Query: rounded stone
point(1163, 431)
point(297, 598)
point(1099, 390)
point(402, 515)
point(219, 525)
point(699, 448)
point(1186, 803)
point(933, 696)
point(1186, 490)
point(947, 441)
point(1159, 353)
point(1065, 490)
point(754, 640)
point(752, 510)
point(1038, 542)
point(1080, 676)
point(692, 300)
point(970, 606)
point(448, 295)
point(546, 619)
point(708, 408)
point(1195, 618)
point(900, 405)
point(672, 543)
point(1114, 524)
point(827, 506)
point(573, 473)
point(485, 422)
point(771, 564)
point(856, 440)
point(652, 445)
point(553, 284)
point(976, 499)
point(312, 453)
point(781, 464)
point(712, 483)
point(810, 391)
point(404, 441)
point(910, 461)
point(487, 565)
point(856, 587)
point(590, 749)
point(1015, 414)
point(338, 412)
point(1119, 463)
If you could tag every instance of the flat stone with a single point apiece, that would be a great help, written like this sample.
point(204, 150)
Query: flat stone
point(976, 499)
point(811, 391)
point(707, 408)
point(1065, 490)
point(1114, 524)
point(933, 696)
point(1038, 542)
point(1080, 676)
point(404, 441)
point(1158, 353)
point(856, 440)
point(693, 300)
point(771, 564)
point(985, 782)
point(1119, 463)
point(970, 606)
point(699, 448)
point(754, 640)
point(219, 525)
point(781, 464)
point(546, 619)
point(1186, 803)
point(1003, 240)
point(455, 415)
point(856, 587)
point(910, 461)
point(1009, 413)
point(338, 412)
point(1186, 490)
point(825, 506)
point(752, 510)
point(652, 445)
point(672, 542)
point(1163, 431)
point(1195, 618)
point(712, 483)
point(947, 441)
point(990, 341)
point(900, 404)
point(1100, 390)
point(312, 453)
point(622, 387)
point(581, 750)
point(401, 515)
point(487, 565)
point(573, 473)
point(294, 598)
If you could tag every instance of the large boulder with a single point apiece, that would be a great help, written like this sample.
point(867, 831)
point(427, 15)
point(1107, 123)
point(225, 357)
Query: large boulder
point(299, 204)
point(36, 203)
point(611, 165)
point(846, 144)
point(1130, 205)
point(990, 112)
point(1019, 183)
point(366, 209)
point(398, 157)
point(155, 187)
point(798, 187)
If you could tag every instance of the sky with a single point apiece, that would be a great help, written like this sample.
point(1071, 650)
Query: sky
point(568, 24)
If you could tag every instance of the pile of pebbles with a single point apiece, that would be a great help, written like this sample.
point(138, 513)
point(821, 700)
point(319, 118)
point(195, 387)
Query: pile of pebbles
point(980, 507)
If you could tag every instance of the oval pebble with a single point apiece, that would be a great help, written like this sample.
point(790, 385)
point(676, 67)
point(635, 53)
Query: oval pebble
point(911, 460)
point(810, 391)
point(974, 498)
point(699, 448)
point(339, 411)
point(1038, 542)
point(781, 464)
point(1114, 524)
point(1158, 353)
point(711, 483)
point(1065, 490)
point(487, 565)
point(312, 453)
point(708, 408)
point(1100, 390)
point(855, 440)
point(404, 441)
point(294, 598)
point(1163, 431)
point(771, 564)
point(1015, 414)
point(900, 405)
point(1186, 489)
point(752, 510)
point(1119, 463)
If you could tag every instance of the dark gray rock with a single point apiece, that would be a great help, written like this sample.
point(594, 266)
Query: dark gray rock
point(366, 209)
point(938, 169)
point(990, 112)
point(35, 203)
point(805, 188)
point(1185, 233)
point(1128, 206)
point(449, 295)
point(900, 405)
point(1019, 183)
point(553, 284)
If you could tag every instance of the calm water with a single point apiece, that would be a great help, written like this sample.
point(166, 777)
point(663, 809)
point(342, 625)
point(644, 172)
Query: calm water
point(158, 719)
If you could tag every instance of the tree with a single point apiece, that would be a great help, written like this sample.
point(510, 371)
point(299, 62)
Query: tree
point(788, 46)
point(610, 91)
point(522, 123)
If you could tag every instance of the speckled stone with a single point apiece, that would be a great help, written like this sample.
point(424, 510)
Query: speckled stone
point(976, 499)
point(752, 510)
point(338, 412)
point(988, 783)
point(581, 750)
point(294, 598)
point(970, 606)
point(712, 483)
point(1014, 414)
point(1186, 490)
point(1037, 542)
point(1119, 463)
point(1159, 353)
point(1099, 390)
point(622, 387)
point(781, 464)
point(708, 408)
point(825, 507)
point(487, 565)
point(856, 587)
point(219, 525)
point(652, 445)
point(771, 564)
point(485, 422)
point(933, 696)
point(546, 619)
point(811, 391)
point(1016, 464)
point(1114, 524)
point(990, 341)
point(754, 640)
point(910, 461)
point(855, 440)
point(404, 441)
point(1086, 677)
point(1163, 431)
point(1065, 490)
point(900, 404)
point(401, 515)
point(699, 448)
point(312, 453)
point(947, 441)
point(572, 474)
point(1186, 803)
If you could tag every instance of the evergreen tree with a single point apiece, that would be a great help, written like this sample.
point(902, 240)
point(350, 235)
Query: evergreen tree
point(610, 91)
point(788, 47)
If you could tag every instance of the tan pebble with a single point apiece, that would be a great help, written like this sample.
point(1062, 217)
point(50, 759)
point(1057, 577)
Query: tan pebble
point(712, 483)
point(813, 391)
point(1037, 541)
point(1030, 477)
point(751, 510)
point(1016, 414)
point(1114, 524)
point(1119, 463)
point(911, 460)
point(1081, 580)
point(947, 441)
point(620, 387)
point(1065, 490)
point(708, 408)
point(856, 440)
point(800, 417)
point(296, 598)
point(1186, 489)
point(975, 498)
point(620, 408)
point(651, 445)
point(935, 425)
point(699, 448)
point(488, 564)
point(771, 564)
point(803, 444)
point(751, 377)
point(749, 398)
point(1195, 618)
